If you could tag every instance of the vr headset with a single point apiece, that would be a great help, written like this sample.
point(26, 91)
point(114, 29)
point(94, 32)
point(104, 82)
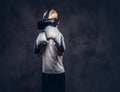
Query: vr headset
point(46, 22)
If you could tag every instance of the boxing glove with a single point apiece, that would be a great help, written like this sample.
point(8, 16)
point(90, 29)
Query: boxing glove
point(53, 33)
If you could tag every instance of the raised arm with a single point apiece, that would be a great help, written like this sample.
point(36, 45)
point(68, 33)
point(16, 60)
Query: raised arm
point(40, 44)
point(61, 47)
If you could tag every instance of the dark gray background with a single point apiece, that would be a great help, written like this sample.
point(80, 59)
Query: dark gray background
point(92, 34)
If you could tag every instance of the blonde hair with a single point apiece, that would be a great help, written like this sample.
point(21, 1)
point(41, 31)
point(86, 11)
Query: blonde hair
point(51, 14)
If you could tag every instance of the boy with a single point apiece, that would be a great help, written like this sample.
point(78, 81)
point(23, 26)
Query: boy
point(50, 45)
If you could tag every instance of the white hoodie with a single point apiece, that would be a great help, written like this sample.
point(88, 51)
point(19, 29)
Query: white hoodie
point(51, 62)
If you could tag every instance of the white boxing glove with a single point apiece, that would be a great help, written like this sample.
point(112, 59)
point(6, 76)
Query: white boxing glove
point(53, 33)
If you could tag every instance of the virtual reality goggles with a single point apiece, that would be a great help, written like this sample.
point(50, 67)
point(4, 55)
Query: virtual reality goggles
point(46, 22)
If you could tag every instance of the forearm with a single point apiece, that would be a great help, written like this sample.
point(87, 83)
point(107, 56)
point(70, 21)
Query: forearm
point(39, 49)
point(60, 48)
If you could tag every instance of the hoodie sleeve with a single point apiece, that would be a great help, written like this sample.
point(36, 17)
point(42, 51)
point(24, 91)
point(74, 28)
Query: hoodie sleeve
point(40, 43)
point(61, 44)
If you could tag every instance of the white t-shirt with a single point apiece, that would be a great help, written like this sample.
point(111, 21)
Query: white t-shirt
point(51, 62)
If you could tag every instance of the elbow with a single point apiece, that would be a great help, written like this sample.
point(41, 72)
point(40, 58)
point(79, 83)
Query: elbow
point(61, 51)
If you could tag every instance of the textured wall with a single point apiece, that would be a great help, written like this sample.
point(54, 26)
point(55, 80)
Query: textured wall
point(91, 31)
